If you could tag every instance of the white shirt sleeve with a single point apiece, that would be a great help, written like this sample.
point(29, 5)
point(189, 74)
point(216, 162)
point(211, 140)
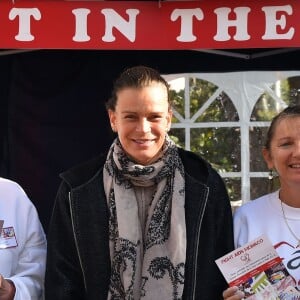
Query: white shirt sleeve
point(25, 263)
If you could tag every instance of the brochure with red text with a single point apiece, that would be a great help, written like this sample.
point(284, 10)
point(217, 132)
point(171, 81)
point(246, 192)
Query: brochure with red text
point(258, 271)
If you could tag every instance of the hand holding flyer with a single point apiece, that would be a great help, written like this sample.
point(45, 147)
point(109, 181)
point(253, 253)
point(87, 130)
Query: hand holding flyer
point(258, 271)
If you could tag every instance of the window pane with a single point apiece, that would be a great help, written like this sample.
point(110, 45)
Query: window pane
point(234, 189)
point(200, 92)
point(266, 108)
point(282, 93)
point(257, 140)
point(288, 90)
point(220, 146)
point(293, 96)
point(178, 136)
point(177, 97)
point(221, 110)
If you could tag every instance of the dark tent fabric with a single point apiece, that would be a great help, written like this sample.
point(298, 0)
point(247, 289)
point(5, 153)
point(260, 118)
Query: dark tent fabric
point(52, 106)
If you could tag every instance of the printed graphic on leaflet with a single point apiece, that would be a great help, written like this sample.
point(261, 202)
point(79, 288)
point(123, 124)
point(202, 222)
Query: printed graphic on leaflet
point(8, 238)
point(258, 271)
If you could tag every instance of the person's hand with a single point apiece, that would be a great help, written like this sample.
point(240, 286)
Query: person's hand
point(7, 289)
point(233, 293)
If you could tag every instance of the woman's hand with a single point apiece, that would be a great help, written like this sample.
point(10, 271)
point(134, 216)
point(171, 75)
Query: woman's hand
point(7, 289)
point(233, 293)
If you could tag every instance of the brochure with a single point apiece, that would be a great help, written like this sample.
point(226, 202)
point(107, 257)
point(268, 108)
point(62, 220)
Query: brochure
point(258, 271)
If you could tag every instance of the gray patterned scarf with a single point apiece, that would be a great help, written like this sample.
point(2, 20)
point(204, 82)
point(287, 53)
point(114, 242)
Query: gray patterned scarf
point(150, 266)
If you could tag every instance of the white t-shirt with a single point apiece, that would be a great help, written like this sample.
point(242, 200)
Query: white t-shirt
point(22, 242)
point(264, 216)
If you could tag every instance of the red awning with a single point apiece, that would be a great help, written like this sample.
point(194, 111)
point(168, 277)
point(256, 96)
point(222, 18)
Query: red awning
point(151, 25)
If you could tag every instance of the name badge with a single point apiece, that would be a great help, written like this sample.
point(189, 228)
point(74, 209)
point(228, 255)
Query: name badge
point(8, 238)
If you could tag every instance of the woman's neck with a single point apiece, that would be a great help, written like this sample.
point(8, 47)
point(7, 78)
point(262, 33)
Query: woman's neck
point(290, 196)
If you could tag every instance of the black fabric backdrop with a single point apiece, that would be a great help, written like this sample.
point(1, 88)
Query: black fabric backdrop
point(52, 107)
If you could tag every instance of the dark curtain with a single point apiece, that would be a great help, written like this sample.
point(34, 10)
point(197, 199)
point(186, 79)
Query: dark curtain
point(52, 111)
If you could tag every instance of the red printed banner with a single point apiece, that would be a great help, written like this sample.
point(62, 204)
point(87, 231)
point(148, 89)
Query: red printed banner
point(149, 25)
